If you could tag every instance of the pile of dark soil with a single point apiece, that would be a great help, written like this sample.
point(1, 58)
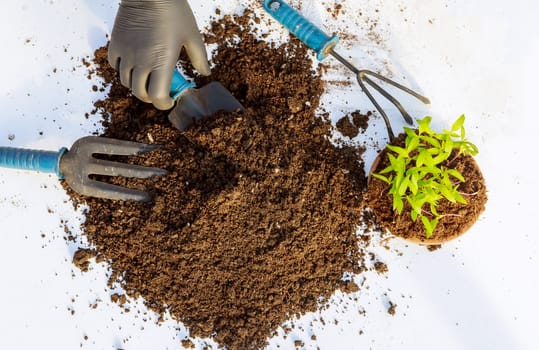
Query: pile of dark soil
point(256, 219)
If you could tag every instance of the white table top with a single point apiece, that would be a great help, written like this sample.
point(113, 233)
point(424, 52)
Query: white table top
point(478, 292)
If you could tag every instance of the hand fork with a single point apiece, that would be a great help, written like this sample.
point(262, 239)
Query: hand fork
point(77, 164)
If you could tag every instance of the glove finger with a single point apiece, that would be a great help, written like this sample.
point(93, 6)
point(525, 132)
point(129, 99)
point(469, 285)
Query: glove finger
point(196, 50)
point(139, 85)
point(159, 88)
point(114, 59)
point(125, 73)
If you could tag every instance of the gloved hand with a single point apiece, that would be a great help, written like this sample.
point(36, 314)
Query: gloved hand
point(145, 44)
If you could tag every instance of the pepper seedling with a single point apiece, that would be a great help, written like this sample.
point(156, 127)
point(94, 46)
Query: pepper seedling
point(419, 173)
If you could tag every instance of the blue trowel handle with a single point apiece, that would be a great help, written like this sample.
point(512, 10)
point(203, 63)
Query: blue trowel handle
point(298, 25)
point(179, 84)
point(31, 159)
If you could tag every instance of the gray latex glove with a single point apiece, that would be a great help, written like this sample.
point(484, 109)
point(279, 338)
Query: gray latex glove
point(145, 44)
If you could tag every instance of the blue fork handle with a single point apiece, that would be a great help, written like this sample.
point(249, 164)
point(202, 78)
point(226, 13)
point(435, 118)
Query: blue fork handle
point(179, 84)
point(31, 159)
point(301, 27)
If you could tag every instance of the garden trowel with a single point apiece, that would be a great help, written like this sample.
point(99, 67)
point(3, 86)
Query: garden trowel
point(193, 104)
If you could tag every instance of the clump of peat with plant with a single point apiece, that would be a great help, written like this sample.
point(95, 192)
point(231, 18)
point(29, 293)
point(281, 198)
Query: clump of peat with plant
point(421, 172)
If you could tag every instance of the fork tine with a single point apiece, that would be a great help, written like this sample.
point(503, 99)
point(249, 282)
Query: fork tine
point(105, 145)
point(93, 188)
point(406, 89)
point(110, 168)
point(389, 97)
point(378, 108)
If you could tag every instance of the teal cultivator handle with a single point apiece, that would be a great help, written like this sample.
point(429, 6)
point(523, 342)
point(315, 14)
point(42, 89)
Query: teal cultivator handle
point(29, 159)
point(298, 25)
point(179, 84)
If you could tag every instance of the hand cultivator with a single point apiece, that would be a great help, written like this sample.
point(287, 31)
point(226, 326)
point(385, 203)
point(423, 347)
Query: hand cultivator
point(77, 164)
point(324, 45)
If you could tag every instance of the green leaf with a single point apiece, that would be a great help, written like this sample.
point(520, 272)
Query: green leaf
point(433, 223)
point(457, 125)
point(445, 181)
point(403, 186)
point(392, 161)
point(423, 125)
point(448, 194)
point(431, 196)
point(459, 198)
point(428, 226)
point(448, 146)
point(430, 140)
point(413, 183)
point(386, 170)
point(433, 210)
point(401, 152)
point(470, 148)
point(431, 169)
point(400, 166)
point(441, 157)
point(410, 132)
point(412, 144)
point(456, 174)
point(420, 160)
point(381, 177)
point(398, 204)
point(416, 204)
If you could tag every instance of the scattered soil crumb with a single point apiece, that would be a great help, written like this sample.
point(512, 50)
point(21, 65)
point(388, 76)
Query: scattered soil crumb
point(433, 247)
point(354, 123)
point(118, 298)
point(380, 267)
point(361, 120)
point(336, 10)
point(345, 127)
point(82, 257)
point(392, 308)
point(188, 344)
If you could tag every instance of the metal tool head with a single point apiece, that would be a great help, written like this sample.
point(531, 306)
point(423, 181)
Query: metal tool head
point(363, 77)
point(364, 80)
point(195, 104)
point(78, 164)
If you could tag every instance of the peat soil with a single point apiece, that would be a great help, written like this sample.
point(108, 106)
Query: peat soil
point(257, 218)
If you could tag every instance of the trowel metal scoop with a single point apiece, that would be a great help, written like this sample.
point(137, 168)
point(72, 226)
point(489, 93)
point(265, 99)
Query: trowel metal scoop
point(193, 104)
point(76, 164)
point(324, 45)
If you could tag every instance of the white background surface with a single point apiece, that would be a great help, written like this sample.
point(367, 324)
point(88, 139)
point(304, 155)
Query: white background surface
point(478, 292)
